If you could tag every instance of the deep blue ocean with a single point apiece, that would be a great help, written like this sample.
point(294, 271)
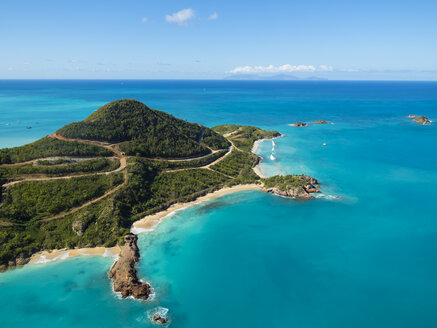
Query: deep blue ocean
point(249, 259)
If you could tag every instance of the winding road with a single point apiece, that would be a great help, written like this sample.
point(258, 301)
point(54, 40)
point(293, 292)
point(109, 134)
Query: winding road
point(123, 164)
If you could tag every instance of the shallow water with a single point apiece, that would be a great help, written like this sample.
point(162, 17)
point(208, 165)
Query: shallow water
point(251, 259)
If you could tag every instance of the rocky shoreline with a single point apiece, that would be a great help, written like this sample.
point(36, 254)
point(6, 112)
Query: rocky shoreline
point(300, 187)
point(20, 261)
point(124, 274)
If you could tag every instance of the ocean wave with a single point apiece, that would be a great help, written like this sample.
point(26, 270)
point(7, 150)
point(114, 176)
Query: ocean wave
point(109, 253)
point(162, 312)
point(272, 157)
point(43, 258)
point(137, 230)
point(330, 197)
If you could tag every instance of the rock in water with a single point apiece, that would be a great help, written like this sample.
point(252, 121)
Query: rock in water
point(157, 318)
point(321, 122)
point(411, 116)
point(299, 124)
point(124, 273)
point(422, 120)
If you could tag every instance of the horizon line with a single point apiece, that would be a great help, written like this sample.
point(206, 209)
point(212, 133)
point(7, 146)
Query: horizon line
point(222, 79)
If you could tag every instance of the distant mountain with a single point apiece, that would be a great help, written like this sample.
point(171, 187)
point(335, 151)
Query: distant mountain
point(277, 77)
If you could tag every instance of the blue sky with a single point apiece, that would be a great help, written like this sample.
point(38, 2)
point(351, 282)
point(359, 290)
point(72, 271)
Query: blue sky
point(167, 39)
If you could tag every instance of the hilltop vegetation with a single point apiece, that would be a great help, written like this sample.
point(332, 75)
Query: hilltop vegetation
point(145, 131)
point(66, 212)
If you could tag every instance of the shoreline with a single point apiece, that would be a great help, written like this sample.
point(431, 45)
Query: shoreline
point(144, 225)
point(43, 257)
point(149, 222)
point(256, 145)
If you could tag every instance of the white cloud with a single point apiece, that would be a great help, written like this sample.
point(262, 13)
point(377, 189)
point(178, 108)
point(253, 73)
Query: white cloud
point(213, 16)
point(349, 70)
point(144, 20)
point(181, 17)
point(287, 68)
point(325, 68)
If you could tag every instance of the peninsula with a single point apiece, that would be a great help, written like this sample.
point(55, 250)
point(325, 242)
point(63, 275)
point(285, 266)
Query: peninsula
point(86, 184)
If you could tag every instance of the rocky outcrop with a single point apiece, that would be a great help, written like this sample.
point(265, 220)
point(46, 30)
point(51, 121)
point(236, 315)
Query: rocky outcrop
point(20, 261)
point(422, 120)
point(321, 122)
point(78, 227)
point(411, 116)
point(159, 319)
point(124, 273)
point(299, 124)
point(299, 186)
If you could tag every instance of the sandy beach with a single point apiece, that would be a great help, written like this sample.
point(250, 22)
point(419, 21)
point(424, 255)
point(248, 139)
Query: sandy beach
point(149, 222)
point(255, 147)
point(62, 254)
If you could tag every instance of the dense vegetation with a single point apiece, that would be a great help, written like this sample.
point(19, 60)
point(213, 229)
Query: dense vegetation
point(85, 166)
point(193, 163)
point(150, 190)
point(214, 140)
point(285, 182)
point(164, 147)
point(38, 199)
point(238, 164)
point(55, 161)
point(28, 208)
point(243, 136)
point(47, 147)
point(150, 132)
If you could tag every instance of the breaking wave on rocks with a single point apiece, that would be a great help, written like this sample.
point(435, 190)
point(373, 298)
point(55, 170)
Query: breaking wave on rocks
point(162, 312)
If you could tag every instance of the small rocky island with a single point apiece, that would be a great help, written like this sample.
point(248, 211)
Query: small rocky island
point(299, 124)
point(295, 186)
point(158, 318)
point(124, 273)
point(422, 120)
point(303, 124)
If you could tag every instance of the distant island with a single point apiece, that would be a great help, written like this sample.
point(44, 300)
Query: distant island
point(274, 77)
point(304, 124)
point(86, 184)
point(420, 119)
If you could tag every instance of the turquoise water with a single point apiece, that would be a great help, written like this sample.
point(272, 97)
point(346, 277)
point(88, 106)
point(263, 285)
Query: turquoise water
point(251, 259)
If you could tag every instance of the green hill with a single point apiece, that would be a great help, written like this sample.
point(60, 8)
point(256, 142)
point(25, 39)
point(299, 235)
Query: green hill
point(85, 185)
point(145, 131)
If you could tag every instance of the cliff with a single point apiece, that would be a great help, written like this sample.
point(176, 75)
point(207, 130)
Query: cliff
point(124, 274)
